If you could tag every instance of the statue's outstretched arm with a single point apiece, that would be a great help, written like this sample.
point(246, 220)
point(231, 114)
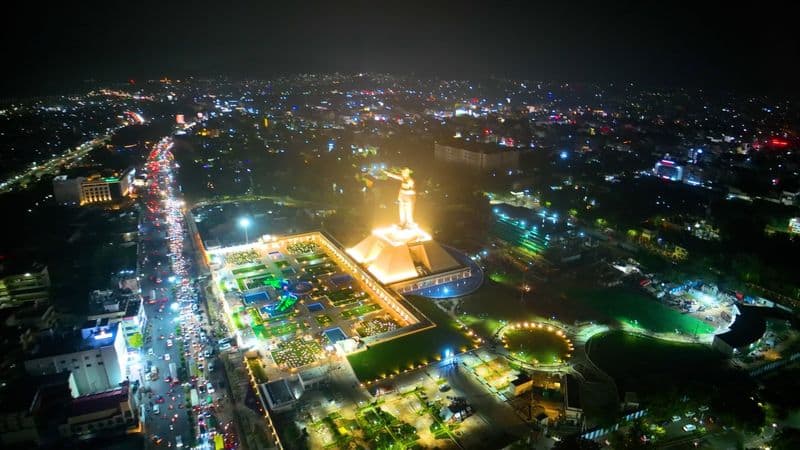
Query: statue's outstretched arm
point(392, 175)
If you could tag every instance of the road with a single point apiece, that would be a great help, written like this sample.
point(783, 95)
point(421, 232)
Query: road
point(178, 330)
point(52, 166)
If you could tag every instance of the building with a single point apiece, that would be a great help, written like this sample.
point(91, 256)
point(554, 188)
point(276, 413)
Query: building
point(118, 306)
point(96, 355)
point(103, 414)
point(668, 170)
point(23, 282)
point(41, 412)
point(477, 156)
point(794, 225)
point(520, 385)
point(67, 191)
point(31, 410)
point(95, 188)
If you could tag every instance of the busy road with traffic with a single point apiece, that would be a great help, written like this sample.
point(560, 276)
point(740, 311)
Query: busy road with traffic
point(182, 397)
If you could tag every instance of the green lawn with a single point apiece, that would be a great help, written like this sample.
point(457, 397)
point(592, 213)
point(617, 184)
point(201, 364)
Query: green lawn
point(494, 302)
point(643, 364)
point(425, 346)
point(309, 258)
point(360, 310)
point(266, 332)
point(638, 309)
point(256, 268)
point(540, 346)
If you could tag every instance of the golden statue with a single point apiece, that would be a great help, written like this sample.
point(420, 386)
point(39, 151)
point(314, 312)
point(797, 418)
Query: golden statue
point(406, 197)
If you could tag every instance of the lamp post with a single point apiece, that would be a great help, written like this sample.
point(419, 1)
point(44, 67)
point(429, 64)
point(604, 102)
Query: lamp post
point(244, 223)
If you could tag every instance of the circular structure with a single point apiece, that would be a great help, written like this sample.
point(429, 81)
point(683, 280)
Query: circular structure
point(537, 343)
point(301, 288)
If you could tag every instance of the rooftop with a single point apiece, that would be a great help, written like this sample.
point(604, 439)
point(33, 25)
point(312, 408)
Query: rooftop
point(99, 402)
point(62, 342)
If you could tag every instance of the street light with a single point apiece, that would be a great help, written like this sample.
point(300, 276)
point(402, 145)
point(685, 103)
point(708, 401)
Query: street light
point(244, 223)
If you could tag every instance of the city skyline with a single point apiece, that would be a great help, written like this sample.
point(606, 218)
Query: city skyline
point(709, 45)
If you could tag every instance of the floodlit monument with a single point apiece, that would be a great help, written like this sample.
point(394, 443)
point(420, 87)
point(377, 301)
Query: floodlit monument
point(402, 254)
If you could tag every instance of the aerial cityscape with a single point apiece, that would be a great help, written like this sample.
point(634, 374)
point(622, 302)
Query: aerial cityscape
point(419, 243)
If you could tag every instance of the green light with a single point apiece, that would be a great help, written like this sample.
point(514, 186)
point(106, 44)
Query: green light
point(111, 180)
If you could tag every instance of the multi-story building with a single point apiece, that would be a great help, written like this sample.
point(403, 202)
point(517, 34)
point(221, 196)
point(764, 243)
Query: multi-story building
point(95, 188)
point(118, 306)
point(67, 191)
point(476, 155)
point(23, 282)
point(102, 414)
point(32, 408)
point(96, 355)
point(42, 412)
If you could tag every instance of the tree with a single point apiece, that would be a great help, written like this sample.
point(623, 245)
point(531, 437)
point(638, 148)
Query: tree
point(136, 340)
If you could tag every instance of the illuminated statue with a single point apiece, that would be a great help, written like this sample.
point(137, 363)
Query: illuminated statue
point(406, 197)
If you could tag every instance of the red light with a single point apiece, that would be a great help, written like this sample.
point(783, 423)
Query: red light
point(778, 142)
point(666, 162)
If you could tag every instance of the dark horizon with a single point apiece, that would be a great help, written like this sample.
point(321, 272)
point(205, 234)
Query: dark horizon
point(713, 46)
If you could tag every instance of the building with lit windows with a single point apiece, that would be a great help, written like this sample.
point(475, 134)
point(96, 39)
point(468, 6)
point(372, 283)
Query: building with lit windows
point(477, 155)
point(669, 170)
point(95, 188)
point(96, 355)
point(118, 306)
point(23, 283)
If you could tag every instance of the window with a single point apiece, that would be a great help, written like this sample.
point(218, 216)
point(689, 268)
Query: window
point(88, 365)
point(100, 363)
point(98, 355)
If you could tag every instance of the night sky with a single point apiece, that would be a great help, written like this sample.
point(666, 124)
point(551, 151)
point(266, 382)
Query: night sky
point(716, 45)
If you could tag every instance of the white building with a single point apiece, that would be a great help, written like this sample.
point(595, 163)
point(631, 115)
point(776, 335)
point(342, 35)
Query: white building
point(96, 355)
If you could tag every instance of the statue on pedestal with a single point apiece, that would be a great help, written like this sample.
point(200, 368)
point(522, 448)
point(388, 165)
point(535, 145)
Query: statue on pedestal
point(406, 197)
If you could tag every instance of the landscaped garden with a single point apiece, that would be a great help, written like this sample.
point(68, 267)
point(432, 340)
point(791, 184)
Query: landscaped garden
point(301, 248)
point(248, 269)
point(392, 357)
point(320, 269)
point(323, 320)
point(375, 326)
point(242, 258)
point(345, 296)
point(384, 430)
point(309, 258)
point(297, 353)
point(536, 345)
point(360, 310)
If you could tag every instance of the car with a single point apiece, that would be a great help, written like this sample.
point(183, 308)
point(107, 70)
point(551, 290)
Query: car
point(166, 357)
point(169, 342)
point(689, 414)
point(444, 388)
point(210, 387)
point(150, 352)
point(703, 408)
point(689, 427)
point(160, 399)
point(676, 418)
point(156, 409)
point(178, 441)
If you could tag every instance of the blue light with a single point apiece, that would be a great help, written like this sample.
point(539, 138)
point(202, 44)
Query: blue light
point(563, 155)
